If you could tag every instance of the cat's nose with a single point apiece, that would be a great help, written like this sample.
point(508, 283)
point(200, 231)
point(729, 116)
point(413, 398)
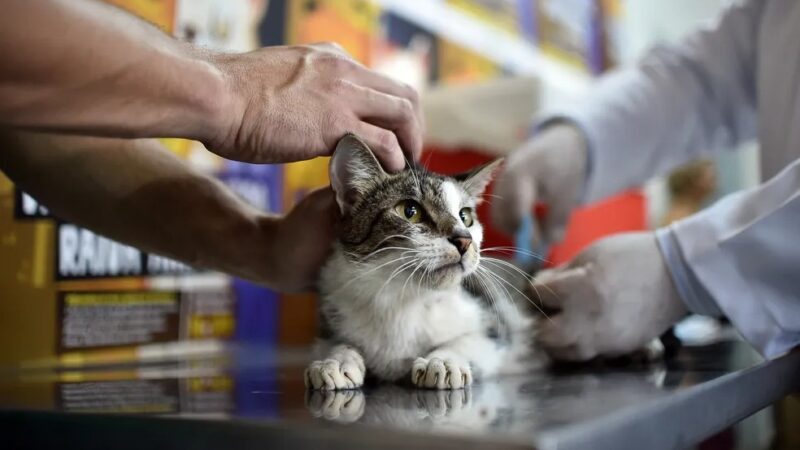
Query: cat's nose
point(462, 243)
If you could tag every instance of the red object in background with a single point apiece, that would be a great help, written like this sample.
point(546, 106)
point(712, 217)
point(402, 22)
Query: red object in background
point(623, 212)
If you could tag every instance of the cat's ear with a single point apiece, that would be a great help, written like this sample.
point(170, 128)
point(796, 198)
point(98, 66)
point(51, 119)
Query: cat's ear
point(353, 170)
point(476, 180)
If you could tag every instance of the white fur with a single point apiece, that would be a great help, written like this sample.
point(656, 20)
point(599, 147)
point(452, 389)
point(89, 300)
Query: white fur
point(453, 198)
point(394, 322)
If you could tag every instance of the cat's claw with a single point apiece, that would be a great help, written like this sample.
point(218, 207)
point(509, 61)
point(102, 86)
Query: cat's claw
point(436, 373)
point(331, 374)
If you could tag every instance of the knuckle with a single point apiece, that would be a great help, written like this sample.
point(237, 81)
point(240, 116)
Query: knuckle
point(336, 62)
point(333, 45)
point(387, 140)
point(411, 94)
point(305, 49)
point(339, 86)
point(406, 108)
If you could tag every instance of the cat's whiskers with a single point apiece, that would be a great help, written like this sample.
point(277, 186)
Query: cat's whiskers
point(404, 256)
point(530, 278)
point(486, 274)
point(409, 277)
point(361, 259)
point(489, 292)
point(498, 263)
point(405, 266)
point(510, 249)
point(509, 284)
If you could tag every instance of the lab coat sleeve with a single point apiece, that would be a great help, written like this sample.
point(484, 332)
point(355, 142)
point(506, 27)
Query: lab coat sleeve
point(740, 258)
point(680, 102)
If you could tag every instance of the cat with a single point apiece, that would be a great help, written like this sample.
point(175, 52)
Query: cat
point(406, 294)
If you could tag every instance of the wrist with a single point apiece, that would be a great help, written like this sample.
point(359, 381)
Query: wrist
point(688, 290)
point(209, 95)
point(561, 161)
point(243, 246)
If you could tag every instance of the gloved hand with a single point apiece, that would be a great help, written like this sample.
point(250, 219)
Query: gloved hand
point(550, 168)
point(613, 298)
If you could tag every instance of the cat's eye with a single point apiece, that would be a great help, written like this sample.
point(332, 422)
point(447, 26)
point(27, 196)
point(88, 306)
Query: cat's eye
point(409, 210)
point(466, 216)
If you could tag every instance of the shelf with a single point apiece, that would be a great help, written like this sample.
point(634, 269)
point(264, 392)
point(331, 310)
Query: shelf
point(512, 53)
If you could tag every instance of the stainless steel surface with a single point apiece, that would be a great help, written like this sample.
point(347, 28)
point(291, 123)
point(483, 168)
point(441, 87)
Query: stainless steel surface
point(255, 399)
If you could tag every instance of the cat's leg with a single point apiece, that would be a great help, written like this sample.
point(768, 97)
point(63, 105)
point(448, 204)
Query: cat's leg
point(343, 368)
point(451, 365)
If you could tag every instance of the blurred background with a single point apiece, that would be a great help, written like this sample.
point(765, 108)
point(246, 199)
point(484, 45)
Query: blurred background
point(485, 69)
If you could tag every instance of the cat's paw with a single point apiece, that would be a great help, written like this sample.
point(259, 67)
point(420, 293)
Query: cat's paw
point(436, 373)
point(332, 374)
point(338, 406)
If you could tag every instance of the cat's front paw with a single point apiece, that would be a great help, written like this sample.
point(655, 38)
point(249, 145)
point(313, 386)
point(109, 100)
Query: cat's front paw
point(331, 374)
point(436, 373)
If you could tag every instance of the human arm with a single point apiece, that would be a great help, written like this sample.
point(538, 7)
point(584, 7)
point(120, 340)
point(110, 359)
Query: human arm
point(738, 258)
point(137, 192)
point(90, 68)
point(680, 102)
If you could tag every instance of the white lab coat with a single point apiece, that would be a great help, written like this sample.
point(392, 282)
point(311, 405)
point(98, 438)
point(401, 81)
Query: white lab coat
point(735, 80)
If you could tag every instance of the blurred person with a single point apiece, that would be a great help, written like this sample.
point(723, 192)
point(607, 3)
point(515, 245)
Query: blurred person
point(722, 85)
point(83, 67)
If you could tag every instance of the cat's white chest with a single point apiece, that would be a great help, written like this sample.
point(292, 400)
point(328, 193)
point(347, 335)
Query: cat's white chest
point(392, 331)
point(448, 315)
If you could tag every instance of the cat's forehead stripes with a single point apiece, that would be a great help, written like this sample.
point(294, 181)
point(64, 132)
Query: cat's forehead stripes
point(372, 218)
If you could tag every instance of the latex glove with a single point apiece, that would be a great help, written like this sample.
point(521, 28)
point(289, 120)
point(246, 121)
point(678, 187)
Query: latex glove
point(550, 168)
point(292, 103)
point(299, 243)
point(614, 298)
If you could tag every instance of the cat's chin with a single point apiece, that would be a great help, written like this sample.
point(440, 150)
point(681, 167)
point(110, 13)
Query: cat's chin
point(447, 276)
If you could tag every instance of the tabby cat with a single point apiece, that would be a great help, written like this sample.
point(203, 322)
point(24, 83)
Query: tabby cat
point(407, 294)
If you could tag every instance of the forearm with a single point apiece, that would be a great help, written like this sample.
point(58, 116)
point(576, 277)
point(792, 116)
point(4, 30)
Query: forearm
point(82, 66)
point(680, 103)
point(136, 192)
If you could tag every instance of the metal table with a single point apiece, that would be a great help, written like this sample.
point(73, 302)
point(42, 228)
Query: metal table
point(250, 397)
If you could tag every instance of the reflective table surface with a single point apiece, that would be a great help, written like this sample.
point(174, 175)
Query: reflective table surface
point(250, 397)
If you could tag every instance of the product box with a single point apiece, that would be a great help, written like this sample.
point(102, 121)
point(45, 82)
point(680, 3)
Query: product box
point(571, 31)
point(71, 296)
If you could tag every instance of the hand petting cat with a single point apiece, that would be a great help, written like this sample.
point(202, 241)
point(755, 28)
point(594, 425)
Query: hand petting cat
point(294, 103)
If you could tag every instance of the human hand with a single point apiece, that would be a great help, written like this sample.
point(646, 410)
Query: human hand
point(549, 168)
point(293, 103)
point(300, 242)
point(613, 298)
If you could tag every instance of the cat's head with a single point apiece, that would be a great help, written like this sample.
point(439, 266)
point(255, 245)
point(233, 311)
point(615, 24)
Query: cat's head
point(414, 223)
